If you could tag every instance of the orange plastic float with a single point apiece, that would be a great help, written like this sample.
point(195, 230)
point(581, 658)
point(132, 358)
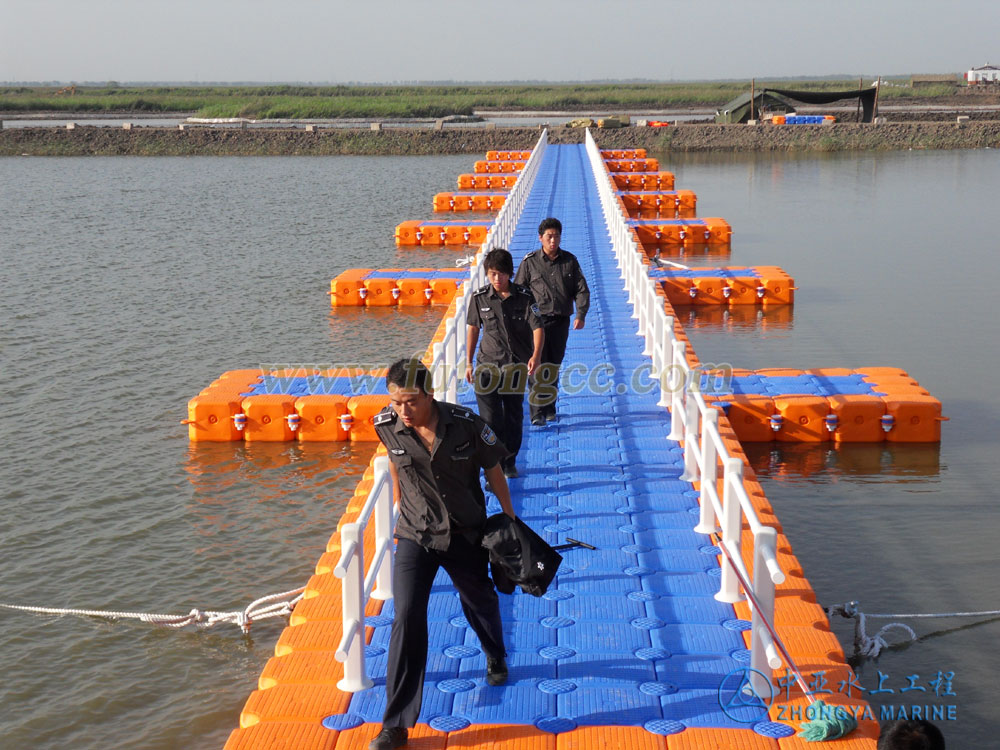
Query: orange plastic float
point(828, 404)
point(643, 180)
point(488, 181)
point(469, 201)
point(497, 167)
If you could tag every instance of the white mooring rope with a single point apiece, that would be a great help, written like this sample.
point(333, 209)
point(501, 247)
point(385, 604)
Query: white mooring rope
point(871, 646)
point(272, 605)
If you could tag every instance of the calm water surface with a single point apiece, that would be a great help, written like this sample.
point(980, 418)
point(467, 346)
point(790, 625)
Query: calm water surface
point(129, 284)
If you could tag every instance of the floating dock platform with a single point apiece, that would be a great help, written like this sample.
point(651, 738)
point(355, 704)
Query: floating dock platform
point(641, 643)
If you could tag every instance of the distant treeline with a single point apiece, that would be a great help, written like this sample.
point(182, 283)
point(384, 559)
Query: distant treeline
point(327, 102)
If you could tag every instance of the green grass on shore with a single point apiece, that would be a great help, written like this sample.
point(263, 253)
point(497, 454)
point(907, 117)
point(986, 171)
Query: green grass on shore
point(327, 102)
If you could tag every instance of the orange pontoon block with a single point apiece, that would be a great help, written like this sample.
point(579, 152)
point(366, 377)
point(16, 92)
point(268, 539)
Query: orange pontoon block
point(914, 418)
point(211, 416)
point(414, 292)
point(858, 418)
point(429, 233)
point(363, 409)
point(774, 286)
point(508, 155)
point(803, 419)
point(274, 735)
point(750, 417)
point(487, 181)
point(443, 291)
point(346, 288)
point(632, 165)
point(741, 290)
point(711, 231)
point(320, 418)
point(628, 153)
point(268, 418)
point(498, 167)
point(408, 233)
point(489, 201)
point(452, 202)
point(381, 292)
point(643, 180)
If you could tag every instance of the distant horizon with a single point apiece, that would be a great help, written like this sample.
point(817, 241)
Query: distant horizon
point(512, 82)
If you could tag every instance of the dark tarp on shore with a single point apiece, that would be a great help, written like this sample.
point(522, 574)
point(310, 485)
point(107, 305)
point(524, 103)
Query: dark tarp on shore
point(777, 100)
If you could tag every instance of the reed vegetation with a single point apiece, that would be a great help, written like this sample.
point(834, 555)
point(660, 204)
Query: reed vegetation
point(330, 102)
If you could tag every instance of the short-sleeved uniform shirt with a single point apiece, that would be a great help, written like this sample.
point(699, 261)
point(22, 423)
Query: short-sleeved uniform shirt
point(555, 283)
point(507, 324)
point(440, 489)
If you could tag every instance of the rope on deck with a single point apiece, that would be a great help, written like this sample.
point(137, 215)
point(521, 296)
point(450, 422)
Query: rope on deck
point(871, 646)
point(272, 605)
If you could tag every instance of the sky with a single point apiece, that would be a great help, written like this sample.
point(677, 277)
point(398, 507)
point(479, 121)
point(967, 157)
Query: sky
point(382, 41)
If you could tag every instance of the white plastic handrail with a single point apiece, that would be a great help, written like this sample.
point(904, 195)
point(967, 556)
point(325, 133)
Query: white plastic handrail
point(360, 584)
point(694, 422)
point(448, 359)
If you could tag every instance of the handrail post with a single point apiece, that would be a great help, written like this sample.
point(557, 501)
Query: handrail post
point(383, 530)
point(709, 470)
point(692, 419)
point(666, 369)
point(732, 529)
point(678, 350)
point(353, 604)
point(447, 346)
point(765, 544)
point(437, 371)
point(650, 325)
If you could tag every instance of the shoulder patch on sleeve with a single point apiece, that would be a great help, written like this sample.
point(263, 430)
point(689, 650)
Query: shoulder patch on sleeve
point(535, 310)
point(386, 416)
point(489, 437)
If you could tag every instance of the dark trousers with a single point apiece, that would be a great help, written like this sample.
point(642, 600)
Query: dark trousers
point(414, 569)
point(545, 382)
point(500, 399)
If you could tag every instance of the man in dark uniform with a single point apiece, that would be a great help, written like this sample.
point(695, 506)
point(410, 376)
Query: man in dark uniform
point(554, 277)
point(436, 451)
point(510, 351)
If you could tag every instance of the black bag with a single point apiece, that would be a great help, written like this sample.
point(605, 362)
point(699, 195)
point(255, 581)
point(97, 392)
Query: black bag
point(518, 556)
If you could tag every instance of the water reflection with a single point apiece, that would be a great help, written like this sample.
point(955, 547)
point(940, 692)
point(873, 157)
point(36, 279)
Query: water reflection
point(272, 492)
point(734, 318)
point(876, 462)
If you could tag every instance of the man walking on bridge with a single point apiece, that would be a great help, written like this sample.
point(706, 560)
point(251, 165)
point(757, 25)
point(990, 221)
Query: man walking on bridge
point(436, 451)
point(556, 281)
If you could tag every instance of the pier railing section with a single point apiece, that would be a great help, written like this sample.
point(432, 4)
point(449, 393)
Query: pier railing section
point(694, 422)
point(448, 356)
point(361, 583)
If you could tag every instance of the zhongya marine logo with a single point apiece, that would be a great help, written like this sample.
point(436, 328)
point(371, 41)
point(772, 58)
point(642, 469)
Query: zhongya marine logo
point(740, 700)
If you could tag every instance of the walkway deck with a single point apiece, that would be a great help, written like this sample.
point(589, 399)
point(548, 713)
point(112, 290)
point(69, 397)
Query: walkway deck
point(629, 647)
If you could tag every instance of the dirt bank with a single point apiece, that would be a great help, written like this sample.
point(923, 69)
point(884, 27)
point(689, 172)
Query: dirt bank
point(151, 141)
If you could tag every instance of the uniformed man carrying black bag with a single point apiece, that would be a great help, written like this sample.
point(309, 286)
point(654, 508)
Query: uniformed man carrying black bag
point(436, 451)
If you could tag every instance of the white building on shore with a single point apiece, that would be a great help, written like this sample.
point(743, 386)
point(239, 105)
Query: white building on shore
point(985, 74)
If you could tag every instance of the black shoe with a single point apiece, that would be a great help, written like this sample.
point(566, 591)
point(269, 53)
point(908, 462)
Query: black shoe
point(551, 417)
point(538, 421)
point(496, 671)
point(388, 738)
point(510, 471)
